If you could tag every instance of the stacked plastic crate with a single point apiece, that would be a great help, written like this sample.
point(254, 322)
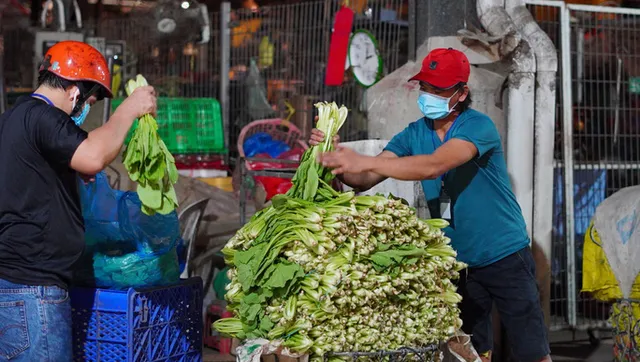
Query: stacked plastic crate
point(191, 128)
point(138, 325)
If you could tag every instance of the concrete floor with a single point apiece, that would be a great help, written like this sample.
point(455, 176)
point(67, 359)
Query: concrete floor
point(565, 349)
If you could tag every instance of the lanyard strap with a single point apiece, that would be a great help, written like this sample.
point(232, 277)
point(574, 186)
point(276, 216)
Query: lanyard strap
point(38, 95)
point(446, 138)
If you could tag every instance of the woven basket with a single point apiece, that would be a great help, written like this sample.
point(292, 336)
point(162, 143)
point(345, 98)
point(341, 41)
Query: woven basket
point(277, 128)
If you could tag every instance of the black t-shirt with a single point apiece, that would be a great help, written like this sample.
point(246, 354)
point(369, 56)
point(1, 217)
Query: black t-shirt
point(41, 225)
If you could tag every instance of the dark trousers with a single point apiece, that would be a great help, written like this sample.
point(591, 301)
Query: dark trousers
point(510, 283)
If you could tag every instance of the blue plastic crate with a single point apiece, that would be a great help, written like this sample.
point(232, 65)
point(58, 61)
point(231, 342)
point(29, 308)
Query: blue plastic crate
point(138, 325)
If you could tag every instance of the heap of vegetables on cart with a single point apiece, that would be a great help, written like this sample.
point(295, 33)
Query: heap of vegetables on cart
point(324, 271)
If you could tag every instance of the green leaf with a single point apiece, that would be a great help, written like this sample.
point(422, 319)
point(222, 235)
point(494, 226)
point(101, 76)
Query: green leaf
point(167, 206)
point(311, 186)
point(150, 195)
point(156, 169)
point(248, 262)
point(266, 325)
point(385, 259)
point(279, 201)
point(284, 272)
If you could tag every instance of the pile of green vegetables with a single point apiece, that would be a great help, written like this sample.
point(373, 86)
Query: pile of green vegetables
point(324, 271)
point(150, 164)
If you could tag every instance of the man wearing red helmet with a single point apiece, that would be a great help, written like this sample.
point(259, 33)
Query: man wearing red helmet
point(42, 150)
point(457, 154)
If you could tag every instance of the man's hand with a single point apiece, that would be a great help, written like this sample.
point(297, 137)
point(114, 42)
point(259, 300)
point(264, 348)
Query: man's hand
point(104, 143)
point(317, 137)
point(87, 178)
point(344, 160)
point(142, 101)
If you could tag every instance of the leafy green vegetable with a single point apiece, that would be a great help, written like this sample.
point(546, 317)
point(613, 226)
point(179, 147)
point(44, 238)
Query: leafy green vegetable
point(327, 271)
point(384, 259)
point(311, 175)
point(150, 164)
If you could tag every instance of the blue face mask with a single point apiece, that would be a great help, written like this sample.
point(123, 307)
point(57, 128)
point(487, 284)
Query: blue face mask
point(79, 119)
point(433, 106)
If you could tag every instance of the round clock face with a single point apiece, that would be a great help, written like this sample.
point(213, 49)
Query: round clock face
point(364, 58)
point(166, 25)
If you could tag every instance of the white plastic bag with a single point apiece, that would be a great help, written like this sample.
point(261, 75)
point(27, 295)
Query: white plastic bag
point(616, 220)
point(459, 349)
point(251, 351)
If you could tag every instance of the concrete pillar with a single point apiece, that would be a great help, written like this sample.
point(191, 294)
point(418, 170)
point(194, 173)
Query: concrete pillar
point(442, 17)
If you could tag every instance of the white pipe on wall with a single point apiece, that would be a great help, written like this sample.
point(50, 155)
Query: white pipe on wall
point(520, 130)
point(545, 119)
point(544, 137)
point(520, 101)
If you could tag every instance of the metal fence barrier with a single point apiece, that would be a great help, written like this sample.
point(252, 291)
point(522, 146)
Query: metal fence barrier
point(597, 138)
point(288, 44)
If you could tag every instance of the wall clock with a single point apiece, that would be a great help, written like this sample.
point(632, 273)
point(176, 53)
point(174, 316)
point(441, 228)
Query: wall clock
point(364, 58)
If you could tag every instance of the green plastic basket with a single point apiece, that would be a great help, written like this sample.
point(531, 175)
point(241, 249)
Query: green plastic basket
point(187, 125)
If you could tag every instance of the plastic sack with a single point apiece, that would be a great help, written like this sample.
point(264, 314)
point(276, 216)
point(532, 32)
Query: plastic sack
point(265, 165)
point(274, 185)
point(220, 283)
point(597, 277)
point(258, 105)
point(617, 220)
point(115, 216)
point(124, 247)
point(459, 349)
point(115, 268)
point(252, 350)
point(294, 154)
point(136, 269)
point(252, 144)
point(262, 143)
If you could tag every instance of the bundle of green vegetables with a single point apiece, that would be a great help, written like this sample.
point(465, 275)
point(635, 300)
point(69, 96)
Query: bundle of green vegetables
point(150, 164)
point(324, 271)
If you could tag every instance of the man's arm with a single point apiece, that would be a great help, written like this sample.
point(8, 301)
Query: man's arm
point(365, 180)
point(409, 168)
point(450, 155)
point(103, 144)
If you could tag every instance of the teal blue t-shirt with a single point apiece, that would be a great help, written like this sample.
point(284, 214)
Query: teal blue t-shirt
point(486, 220)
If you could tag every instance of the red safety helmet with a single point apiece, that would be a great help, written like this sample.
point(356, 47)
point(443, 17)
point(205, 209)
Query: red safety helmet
point(79, 62)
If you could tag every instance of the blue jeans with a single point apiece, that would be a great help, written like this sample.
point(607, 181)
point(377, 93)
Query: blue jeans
point(35, 323)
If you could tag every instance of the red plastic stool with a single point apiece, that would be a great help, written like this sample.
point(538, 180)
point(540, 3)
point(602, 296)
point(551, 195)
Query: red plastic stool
point(211, 338)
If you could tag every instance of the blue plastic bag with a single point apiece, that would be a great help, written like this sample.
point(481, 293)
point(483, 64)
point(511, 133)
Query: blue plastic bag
point(124, 247)
point(264, 143)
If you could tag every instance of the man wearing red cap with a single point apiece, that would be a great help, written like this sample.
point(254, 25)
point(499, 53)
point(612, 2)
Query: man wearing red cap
point(457, 154)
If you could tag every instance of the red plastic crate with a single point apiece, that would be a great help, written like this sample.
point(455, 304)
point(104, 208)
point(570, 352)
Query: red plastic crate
point(211, 338)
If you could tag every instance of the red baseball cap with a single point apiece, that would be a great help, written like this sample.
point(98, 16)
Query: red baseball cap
point(444, 68)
